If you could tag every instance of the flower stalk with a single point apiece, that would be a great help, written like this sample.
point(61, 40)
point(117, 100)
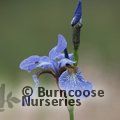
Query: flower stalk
point(71, 112)
point(76, 40)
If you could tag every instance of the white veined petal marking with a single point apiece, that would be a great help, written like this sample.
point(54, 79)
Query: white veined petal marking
point(73, 81)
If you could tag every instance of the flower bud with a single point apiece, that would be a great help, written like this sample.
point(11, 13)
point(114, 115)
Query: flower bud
point(77, 18)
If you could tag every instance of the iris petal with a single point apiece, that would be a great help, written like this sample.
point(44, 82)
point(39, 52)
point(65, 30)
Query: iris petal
point(86, 85)
point(62, 56)
point(73, 81)
point(65, 61)
point(44, 59)
point(56, 51)
point(30, 63)
point(45, 65)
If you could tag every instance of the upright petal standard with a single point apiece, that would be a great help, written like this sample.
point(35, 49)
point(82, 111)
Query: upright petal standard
point(57, 50)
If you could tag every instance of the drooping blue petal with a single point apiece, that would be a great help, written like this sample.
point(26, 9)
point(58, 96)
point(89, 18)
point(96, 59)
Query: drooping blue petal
point(74, 81)
point(56, 51)
point(30, 63)
point(86, 85)
point(65, 61)
point(62, 56)
point(78, 14)
point(44, 59)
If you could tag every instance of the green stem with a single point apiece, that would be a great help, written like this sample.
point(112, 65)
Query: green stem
point(76, 40)
point(71, 113)
point(76, 57)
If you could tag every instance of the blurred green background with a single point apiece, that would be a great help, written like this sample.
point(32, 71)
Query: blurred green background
point(31, 27)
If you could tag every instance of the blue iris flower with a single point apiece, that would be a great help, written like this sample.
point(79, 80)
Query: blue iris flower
point(69, 79)
point(54, 61)
point(77, 18)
